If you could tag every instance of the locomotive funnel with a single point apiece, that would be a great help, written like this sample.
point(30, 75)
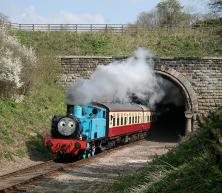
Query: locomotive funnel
point(70, 110)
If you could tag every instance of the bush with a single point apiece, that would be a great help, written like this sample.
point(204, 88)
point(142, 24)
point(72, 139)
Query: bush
point(17, 64)
point(23, 125)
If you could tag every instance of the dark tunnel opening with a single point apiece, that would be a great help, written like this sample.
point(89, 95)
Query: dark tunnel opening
point(170, 124)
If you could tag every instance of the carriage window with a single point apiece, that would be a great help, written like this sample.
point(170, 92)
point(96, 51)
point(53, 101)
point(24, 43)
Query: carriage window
point(133, 120)
point(138, 119)
point(121, 120)
point(129, 120)
point(104, 114)
point(151, 118)
point(118, 121)
point(114, 121)
point(125, 120)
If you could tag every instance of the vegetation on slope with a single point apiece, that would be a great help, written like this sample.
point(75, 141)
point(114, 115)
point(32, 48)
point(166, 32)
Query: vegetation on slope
point(25, 119)
point(24, 124)
point(193, 166)
point(163, 41)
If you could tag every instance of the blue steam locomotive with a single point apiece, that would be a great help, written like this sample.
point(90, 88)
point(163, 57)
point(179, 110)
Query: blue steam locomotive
point(87, 129)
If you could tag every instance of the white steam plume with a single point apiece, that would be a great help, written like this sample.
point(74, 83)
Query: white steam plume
point(117, 81)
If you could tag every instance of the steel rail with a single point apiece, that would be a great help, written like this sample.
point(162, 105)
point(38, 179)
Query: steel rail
point(13, 180)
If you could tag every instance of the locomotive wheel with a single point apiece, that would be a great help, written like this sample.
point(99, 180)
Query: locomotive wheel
point(93, 151)
point(83, 155)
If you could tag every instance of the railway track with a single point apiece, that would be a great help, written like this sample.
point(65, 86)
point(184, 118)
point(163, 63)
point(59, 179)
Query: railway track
point(12, 181)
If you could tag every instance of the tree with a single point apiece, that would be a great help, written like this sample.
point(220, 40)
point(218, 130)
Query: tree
point(216, 5)
point(169, 12)
point(166, 13)
point(148, 19)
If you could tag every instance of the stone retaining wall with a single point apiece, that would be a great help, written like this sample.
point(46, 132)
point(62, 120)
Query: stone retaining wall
point(200, 77)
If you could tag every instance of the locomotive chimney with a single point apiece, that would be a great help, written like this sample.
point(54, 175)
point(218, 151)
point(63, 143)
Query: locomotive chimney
point(70, 110)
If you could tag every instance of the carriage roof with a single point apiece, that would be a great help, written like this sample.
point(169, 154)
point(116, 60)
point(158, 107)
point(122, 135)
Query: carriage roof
point(122, 106)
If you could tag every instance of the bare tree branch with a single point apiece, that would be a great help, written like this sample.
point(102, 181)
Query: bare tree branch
point(216, 5)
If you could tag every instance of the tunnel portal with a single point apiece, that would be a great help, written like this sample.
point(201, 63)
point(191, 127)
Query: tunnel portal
point(170, 124)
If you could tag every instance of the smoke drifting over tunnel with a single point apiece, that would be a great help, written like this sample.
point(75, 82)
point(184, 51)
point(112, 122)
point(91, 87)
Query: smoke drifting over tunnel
point(117, 81)
point(134, 80)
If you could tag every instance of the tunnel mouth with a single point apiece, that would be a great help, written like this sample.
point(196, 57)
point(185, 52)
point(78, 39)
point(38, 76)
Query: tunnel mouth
point(170, 125)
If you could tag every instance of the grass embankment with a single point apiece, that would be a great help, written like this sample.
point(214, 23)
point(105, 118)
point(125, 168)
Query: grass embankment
point(193, 166)
point(162, 41)
point(24, 124)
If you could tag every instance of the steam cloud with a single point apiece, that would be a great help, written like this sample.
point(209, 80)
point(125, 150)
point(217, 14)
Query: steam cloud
point(119, 81)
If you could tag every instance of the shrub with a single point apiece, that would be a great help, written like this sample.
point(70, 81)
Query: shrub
point(17, 64)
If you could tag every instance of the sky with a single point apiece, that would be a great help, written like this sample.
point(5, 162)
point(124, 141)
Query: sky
point(84, 11)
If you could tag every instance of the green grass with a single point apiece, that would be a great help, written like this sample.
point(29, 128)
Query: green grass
point(23, 125)
point(162, 41)
point(190, 167)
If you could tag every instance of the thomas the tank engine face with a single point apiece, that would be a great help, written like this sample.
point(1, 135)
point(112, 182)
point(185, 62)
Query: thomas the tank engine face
point(66, 126)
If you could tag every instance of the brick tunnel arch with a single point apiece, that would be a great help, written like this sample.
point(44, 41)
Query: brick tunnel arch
point(188, 92)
